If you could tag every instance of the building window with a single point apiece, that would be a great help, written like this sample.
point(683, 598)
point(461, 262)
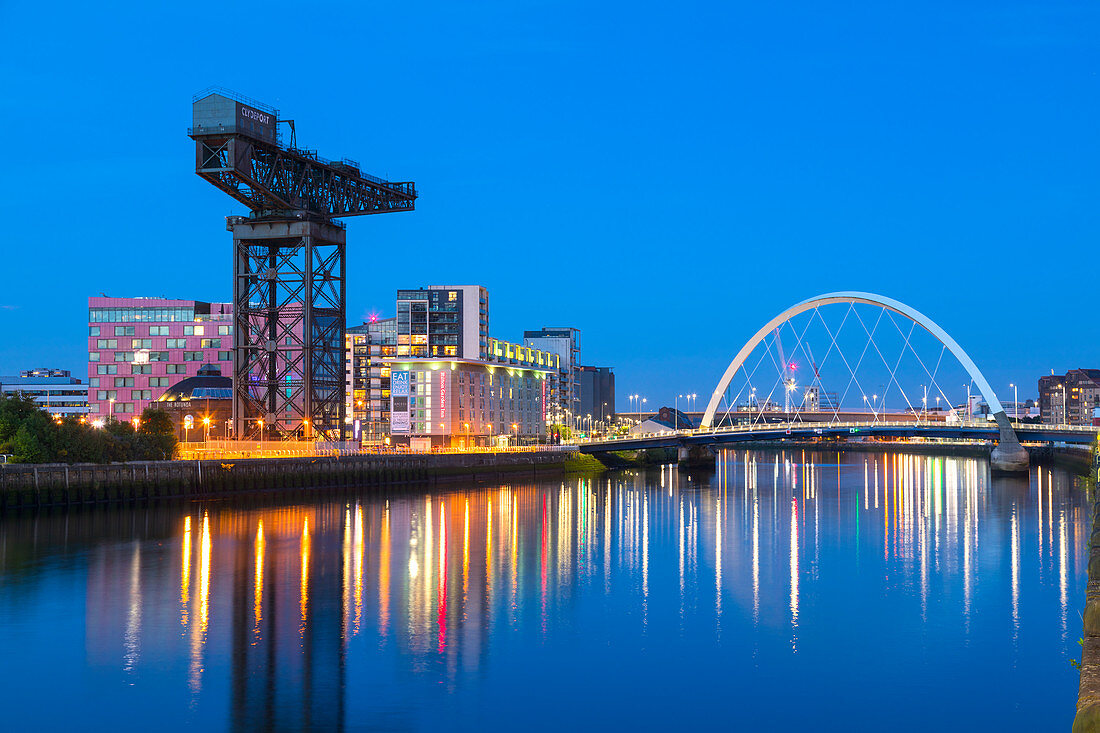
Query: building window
point(225, 356)
point(192, 356)
point(124, 356)
point(124, 381)
point(106, 343)
point(158, 356)
point(93, 356)
point(194, 330)
point(107, 369)
point(141, 394)
point(158, 330)
point(124, 330)
point(158, 382)
point(225, 330)
point(93, 330)
point(176, 344)
point(210, 343)
point(177, 369)
point(141, 343)
point(141, 369)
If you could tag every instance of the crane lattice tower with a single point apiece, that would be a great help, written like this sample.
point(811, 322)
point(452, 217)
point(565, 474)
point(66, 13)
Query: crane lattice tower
point(288, 263)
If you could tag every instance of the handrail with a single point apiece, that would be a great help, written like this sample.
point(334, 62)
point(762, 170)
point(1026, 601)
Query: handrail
point(983, 427)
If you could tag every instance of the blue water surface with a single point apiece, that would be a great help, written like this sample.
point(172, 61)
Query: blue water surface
point(782, 591)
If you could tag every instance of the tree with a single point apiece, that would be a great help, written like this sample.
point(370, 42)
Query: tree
point(14, 410)
point(158, 433)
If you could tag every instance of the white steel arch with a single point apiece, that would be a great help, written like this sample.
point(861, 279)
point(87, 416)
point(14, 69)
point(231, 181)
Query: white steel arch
point(852, 297)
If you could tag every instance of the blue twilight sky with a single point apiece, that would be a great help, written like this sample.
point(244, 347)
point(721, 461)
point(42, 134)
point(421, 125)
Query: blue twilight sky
point(664, 176)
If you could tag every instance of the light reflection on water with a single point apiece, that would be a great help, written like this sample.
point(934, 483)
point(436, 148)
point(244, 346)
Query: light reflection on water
point(850, 574)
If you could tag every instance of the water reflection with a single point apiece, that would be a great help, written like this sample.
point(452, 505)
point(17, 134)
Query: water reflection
point(283, 600)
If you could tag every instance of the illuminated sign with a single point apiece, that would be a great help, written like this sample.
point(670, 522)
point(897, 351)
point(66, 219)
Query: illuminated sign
point(399, 402)
point(399, 384)
point(443, 394)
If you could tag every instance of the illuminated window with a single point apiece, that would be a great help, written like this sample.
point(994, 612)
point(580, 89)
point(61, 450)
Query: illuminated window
point(452, 295)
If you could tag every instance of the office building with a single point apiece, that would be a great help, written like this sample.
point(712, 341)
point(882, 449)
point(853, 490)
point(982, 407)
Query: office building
point(443, 321)
point(1070, 398)
point(138, 347)
point(54, 390)
point(597, 393)
point(565, 343)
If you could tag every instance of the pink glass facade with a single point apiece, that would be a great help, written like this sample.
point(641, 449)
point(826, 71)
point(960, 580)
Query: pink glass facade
point(139, 347)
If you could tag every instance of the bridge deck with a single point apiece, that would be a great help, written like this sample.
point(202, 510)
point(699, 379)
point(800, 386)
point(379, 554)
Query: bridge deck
point(1076, 435)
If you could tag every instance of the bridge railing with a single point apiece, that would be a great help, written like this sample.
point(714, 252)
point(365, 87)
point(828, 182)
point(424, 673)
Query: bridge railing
point(784, 427)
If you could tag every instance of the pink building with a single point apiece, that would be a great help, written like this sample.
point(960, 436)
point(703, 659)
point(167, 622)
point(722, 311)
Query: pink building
point(139, 347)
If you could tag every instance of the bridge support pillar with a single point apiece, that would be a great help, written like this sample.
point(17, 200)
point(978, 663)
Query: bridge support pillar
point(695, 456)
point(1008, 456)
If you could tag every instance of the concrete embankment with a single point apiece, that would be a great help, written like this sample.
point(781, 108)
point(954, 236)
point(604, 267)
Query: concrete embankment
point(61, 484)
point(1088, 693)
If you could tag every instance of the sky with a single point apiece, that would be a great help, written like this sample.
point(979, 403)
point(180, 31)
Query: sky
point(666, 177)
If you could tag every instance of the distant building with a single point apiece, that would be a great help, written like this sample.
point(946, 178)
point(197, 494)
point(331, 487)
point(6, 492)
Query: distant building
point(667, 418)
point(443, 320)
point(565, 342)
point(597, 392)
point(1070, 398)
point(137, 347)
point(54, 390)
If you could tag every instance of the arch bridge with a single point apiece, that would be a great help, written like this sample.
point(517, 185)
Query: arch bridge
point(1008, 455)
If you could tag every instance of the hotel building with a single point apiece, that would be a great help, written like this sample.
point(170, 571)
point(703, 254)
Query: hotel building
point(139, 347)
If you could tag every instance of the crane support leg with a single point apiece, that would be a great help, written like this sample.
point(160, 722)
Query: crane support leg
point(288, 334)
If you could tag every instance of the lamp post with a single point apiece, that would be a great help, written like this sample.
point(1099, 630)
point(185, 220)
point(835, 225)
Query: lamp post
point(467, 426)
point(260, 421)
point(206, 432)
point(676, 414)
point(968, 412)
point(112, 408)
point(1015, 403)
point(515, 434)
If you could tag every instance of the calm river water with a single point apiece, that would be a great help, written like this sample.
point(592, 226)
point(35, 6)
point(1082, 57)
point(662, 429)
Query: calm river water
point(783, 591)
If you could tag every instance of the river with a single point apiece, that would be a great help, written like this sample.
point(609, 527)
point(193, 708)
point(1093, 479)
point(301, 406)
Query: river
point(781, 591)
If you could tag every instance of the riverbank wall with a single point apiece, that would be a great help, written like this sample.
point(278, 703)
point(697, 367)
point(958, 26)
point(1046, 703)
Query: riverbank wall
point(27, 485)
point(1087, 719)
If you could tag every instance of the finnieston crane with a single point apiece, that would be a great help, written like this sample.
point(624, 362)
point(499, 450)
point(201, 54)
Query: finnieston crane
point(288, 262)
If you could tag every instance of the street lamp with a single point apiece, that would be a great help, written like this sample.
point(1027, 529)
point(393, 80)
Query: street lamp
point(515, 434)
point(260, 421)
point(112, 401)
point(676, 414)
point(1015, 402)
point(206, 430)
point(467, 426)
